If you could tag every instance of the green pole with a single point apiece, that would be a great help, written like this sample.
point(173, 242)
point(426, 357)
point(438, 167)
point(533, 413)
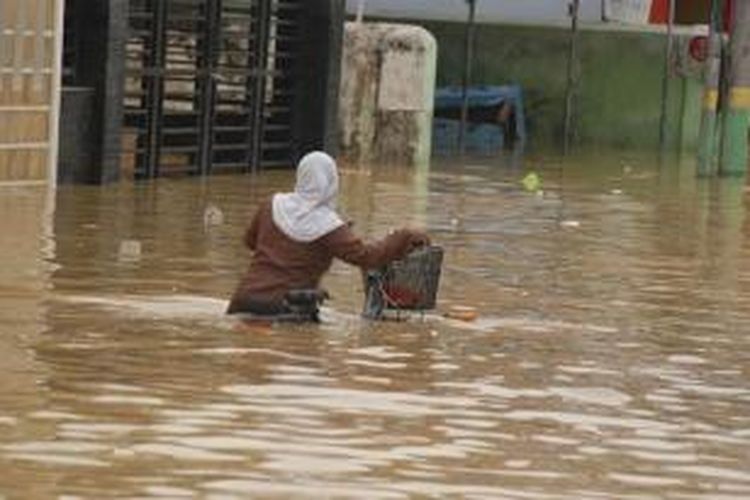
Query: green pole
point(734, 157)
point(572, 78)
point(668, 56)
point(708, 140)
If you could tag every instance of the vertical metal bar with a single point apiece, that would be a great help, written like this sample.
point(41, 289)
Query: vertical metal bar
point(18, 46)
point(361, 11)
point(725, 77)
point(139, 46)
point(251, 64)
point(259, 84)
point(109, 84)
point(155, 109)
point(572, 77)
point(39, 44)
point(271, 50)
point(149, 81)
point(707, 137)
point(252, 51)
point(69, 45)
point(466, 82)
point(208, 59)
point(55, 97)
point(2, 44)
point(663, 122)
point(736, 119)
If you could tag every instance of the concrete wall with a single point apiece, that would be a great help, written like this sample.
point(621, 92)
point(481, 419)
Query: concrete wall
point(30, 44)
point(620, 91)
point(536, 12)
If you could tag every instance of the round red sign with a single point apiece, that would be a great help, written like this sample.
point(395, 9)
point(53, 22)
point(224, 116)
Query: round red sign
point(699, 48)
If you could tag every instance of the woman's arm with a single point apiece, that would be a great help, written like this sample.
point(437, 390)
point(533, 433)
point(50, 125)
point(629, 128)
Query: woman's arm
point(345, 245)
point(251, 235)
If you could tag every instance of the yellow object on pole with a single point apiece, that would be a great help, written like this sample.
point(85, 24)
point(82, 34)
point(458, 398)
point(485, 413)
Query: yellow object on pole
point(708, 149)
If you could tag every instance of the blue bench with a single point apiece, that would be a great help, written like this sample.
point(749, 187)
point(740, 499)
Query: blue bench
point(496, 113)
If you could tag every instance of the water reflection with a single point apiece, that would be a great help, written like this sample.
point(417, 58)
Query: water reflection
point(609, 359)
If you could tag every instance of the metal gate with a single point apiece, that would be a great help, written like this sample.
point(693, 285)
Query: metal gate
point(209, 85)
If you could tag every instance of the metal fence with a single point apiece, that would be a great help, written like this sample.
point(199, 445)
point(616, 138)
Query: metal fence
point(209, 85)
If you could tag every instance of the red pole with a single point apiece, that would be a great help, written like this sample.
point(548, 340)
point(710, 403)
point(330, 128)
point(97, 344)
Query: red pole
point(729, 13)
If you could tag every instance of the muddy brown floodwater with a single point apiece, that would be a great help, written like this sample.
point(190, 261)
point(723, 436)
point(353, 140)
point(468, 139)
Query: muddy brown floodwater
point(611, 358)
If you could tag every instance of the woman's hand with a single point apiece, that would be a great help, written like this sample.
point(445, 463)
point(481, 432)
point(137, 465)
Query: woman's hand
point(419, 239)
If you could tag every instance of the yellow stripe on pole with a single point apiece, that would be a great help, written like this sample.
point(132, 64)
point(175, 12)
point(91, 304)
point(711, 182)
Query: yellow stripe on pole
point(711, 99)
point(739, 98)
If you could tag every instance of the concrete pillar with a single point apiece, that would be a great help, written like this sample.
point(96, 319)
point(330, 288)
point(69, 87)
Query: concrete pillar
point(101, 28)
point(387, 94)
point(734, 156)
point(315, 123)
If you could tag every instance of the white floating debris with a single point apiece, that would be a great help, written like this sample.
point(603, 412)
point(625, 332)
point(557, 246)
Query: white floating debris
point(213, 216)
point(616, 192)
point(130, 251)
point(123, 453)
point(686, 359)
point(572, 224)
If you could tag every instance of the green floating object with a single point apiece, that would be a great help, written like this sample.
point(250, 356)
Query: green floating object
point(532, 182)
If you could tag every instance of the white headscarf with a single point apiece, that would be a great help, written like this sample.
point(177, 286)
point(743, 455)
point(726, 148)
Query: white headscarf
point(309, 212)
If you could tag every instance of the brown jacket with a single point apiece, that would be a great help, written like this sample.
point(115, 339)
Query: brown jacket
point(281, 264)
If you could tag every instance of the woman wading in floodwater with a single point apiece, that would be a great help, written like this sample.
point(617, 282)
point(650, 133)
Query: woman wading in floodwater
point(294, 238)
